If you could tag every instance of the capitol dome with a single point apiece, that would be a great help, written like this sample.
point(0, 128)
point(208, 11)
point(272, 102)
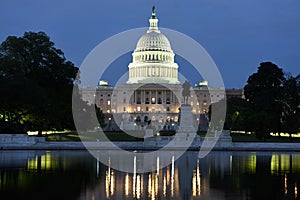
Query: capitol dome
point(153, 41)
point(153, 58)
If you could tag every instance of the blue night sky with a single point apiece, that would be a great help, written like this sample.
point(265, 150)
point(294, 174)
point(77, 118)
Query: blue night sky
point(237, 34)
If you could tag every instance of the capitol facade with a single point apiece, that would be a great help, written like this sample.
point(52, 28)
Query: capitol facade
point(152, 96)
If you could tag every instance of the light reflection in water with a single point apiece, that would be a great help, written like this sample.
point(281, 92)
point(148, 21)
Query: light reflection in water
point(109, 181)
point(161, 182)
point(196, 181)
point(166, 183)
point(126, 184)
point(134, 175)
point(43, 162)
point(296, 191)
point(172, 177)
point(285, 184)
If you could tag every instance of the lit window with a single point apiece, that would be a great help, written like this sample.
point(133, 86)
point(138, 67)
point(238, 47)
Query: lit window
point(168, 119)
point(153, 100)
point(204, 103)
point(161, 120)
point(153, 118)
point(108, 102)
point(138, 108)
point(108, 111)
point(176, 119)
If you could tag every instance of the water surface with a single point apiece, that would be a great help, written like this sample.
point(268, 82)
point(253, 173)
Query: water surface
point(220, 175)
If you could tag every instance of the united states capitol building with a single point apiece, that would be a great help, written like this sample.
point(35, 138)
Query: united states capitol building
point(152, 95)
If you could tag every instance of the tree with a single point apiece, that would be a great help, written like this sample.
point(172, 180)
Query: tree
point(100, 116)
point(291, 105)
point(264, 91)
point(38, 83)
point(238, 114)
point(275, 99)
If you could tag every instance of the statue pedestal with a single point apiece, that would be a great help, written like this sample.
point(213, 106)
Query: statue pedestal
point(225, 136)
point(186, 120)
point(148, 133)
point(186, 132)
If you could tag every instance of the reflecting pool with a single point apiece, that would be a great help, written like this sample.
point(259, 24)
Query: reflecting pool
point(219, 175)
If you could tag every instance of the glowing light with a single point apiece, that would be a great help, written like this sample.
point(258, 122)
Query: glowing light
point(172, 177)
point(138, 187)
point(251, 164)
point(285, 184)
point(165, 186)
point(32, 163)
point(280, 163)
point(194, 184)
point(127, 185)
point(109, 181)
point(156, 184)
point(157, 165)
point(198, 178)
point(149, 185)
point(134, 176)
point(112, 183)
point(153, 100)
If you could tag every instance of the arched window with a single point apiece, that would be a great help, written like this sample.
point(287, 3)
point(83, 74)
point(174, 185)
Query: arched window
point(147, 101)
point(146, 118)
point(168, 100)
point(159, 101)
point(138, 119)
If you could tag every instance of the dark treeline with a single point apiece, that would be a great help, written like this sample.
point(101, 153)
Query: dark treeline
point(271, 104)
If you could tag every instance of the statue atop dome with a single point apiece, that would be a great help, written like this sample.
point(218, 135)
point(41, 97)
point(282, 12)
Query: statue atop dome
point(153, 12)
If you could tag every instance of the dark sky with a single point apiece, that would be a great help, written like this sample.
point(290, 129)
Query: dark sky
point(238, 34)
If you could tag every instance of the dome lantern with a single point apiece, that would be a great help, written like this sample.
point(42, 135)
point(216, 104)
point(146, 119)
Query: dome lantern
point(153, 20)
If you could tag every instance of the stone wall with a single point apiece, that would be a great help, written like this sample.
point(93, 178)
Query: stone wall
point(21, 139)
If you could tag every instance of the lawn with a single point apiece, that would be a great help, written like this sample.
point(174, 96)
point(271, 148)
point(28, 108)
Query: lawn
point(138, 136)
point(239, 137)
point(94, 136)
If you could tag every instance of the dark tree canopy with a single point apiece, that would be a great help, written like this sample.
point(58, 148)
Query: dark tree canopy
point(36, 83)
point(271, 104)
